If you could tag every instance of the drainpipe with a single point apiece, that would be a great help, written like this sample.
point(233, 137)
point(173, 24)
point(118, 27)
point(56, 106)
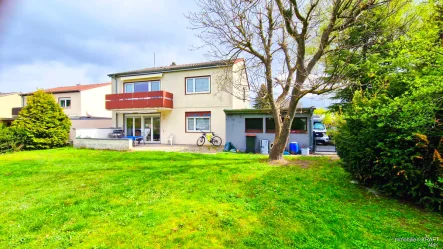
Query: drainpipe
point(311, 131)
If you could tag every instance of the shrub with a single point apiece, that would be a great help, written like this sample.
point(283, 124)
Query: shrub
point(43, 122)
point(11, 139)
point(394, 145)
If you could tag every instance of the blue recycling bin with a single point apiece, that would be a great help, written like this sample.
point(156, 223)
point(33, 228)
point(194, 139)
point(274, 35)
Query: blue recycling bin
point(293, 148)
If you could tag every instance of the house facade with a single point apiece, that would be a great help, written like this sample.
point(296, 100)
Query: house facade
point(260, 124)
point(7, 102)
point(177, 101)
point(84, 105)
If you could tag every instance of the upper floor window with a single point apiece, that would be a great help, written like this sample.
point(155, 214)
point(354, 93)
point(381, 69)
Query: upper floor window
point(145, 86)
point(198, 85)
point(65, 102)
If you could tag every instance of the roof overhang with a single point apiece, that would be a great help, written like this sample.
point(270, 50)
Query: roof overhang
point(165, 71)
point(27, 94)
point(309, 111)
point(142, 77)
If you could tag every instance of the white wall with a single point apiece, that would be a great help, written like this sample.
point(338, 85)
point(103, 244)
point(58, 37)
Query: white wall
point(74, 109)
point(93, 132)
point(240, 84)
point(93, 102)
point(174, 121)
point(103, 144)
point(88, 124)
point(7, 102)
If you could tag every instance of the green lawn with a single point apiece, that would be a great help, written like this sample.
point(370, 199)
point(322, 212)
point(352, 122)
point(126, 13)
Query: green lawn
point(103, 199)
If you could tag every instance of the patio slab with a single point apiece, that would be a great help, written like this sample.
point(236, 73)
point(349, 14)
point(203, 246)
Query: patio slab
point(178, 148)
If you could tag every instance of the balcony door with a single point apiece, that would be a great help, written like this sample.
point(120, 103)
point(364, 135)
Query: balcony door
point(147, 126)
point(152, 129)
point(133, 126)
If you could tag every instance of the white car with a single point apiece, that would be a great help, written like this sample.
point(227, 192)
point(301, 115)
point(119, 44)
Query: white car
point(320, 133)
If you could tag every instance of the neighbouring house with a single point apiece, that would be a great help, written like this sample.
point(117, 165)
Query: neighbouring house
point(178, 101)
point(84, 104)
point(7, 102)
point(260, 124)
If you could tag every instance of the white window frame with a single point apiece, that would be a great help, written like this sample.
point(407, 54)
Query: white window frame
point(60, 100)
point(149, 85)
point(195, 124)
point(193, 84)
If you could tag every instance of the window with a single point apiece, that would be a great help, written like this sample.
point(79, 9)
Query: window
point(270, 125)
point(299, 125)
point(137, 87)
point(254, 125)
point(319, 126)
point(196, 121)
point(198, 85)
point(65, 102)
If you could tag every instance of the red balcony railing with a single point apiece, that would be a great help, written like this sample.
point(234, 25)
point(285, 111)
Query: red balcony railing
point(157, 99)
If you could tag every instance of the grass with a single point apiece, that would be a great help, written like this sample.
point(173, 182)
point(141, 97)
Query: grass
point(102, 199)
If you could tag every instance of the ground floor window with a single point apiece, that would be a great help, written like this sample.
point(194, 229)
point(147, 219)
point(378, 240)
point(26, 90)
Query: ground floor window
point(299, 125)
point(254, 125)
point(198, 121)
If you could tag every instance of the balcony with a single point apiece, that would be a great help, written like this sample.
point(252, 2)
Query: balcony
point(139, 100)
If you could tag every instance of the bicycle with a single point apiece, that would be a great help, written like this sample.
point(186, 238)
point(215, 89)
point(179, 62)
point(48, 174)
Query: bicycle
point(211, 137)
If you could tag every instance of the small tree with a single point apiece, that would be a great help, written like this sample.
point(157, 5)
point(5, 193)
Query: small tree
point(43, 122)
point(282, 42)
point(261, 101)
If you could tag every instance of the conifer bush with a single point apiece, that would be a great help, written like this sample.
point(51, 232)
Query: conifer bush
point(43, 122)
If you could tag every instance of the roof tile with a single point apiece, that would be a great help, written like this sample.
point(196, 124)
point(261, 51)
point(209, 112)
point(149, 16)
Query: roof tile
point(76, 88)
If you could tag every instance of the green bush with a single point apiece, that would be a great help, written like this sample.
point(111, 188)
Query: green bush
point(43, 122)
point(394, 145)
point(11, 139)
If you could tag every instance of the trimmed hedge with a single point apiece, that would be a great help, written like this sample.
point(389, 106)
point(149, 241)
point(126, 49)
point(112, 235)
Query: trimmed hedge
point(395, 149)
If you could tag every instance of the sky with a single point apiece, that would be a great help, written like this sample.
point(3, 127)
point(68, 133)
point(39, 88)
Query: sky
point(50, 43)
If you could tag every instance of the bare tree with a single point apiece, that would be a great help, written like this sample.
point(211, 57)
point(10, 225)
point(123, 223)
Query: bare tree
point(282, 42)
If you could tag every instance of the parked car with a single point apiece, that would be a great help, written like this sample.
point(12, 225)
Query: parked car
point(320, 133)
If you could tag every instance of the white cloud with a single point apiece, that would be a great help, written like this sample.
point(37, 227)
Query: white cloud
point(58, 42)
point(29, 77)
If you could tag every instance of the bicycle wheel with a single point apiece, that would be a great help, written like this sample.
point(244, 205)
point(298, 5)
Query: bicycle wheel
point(201, 141)
point(216, 141)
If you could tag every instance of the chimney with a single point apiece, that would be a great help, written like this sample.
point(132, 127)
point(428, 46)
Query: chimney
point(173, 64)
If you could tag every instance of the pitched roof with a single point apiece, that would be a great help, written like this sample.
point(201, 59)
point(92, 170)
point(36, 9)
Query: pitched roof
point(76, 88)
point(182, 67)
point(6, 94)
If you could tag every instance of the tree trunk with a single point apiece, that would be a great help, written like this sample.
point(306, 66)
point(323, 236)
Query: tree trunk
point(282, 129)
point(279, 146)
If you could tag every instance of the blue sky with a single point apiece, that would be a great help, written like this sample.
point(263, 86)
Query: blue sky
point(49, 43)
